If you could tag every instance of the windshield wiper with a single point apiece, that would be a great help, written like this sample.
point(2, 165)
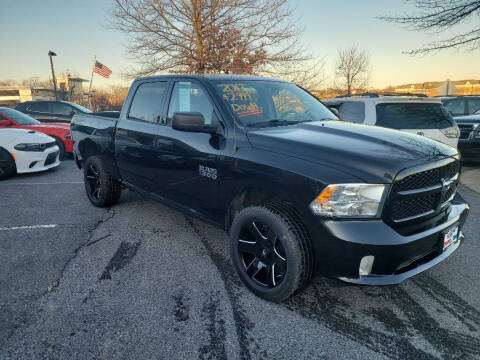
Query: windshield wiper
point(274, 122)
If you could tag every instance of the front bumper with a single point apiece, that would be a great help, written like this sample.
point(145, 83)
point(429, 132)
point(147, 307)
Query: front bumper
point(341, 245)
point(470, 149)
point(32, 161)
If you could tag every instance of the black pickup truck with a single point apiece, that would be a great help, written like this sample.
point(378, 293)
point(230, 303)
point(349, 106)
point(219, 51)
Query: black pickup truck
point(299, 191)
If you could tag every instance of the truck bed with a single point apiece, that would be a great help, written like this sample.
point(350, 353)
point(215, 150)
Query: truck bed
point(95, 132)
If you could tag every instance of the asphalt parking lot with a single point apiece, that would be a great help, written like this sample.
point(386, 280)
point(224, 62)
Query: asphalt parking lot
point(143, 281)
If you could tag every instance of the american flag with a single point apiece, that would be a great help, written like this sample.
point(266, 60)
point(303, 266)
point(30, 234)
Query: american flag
point(101, 69)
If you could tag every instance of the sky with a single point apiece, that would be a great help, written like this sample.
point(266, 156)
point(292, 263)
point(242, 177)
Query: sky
point(76, 30)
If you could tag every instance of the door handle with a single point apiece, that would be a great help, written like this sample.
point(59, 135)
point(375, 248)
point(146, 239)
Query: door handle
point(420, 133)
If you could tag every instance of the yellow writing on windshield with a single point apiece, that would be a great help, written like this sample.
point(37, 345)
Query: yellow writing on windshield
point(240, 99)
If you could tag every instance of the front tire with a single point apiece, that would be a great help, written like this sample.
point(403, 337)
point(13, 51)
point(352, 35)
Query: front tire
point(102, 190)
point(7, 165)
point(271, 251)
point(62, 152)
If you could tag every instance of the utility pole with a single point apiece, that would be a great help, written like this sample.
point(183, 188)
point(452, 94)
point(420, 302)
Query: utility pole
point(91, 79)
point(50, 54)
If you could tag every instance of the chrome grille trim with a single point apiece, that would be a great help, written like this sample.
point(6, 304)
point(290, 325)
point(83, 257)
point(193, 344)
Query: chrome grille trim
point(407, 205)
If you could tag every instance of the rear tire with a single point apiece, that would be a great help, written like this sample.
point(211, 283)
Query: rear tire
point(61, 146)
point(7, 165)
point(271, 251)
point(102, 190)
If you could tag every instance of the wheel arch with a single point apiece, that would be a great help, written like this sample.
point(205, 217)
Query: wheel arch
point(11, 156)
point(9, 153)
point(87, 148)
point(254, 195)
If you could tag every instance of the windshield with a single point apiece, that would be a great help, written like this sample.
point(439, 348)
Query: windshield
point(413, 116)
point(271, 103)
point(80, 107)
point(19, 117)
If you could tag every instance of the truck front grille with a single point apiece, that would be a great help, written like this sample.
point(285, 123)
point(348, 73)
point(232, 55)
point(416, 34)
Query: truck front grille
point(465, 130)
point(406, 208)
point(419, 196)
point(428, 178)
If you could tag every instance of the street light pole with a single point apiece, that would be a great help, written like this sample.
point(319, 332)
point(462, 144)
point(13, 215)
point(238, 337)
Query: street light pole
point(50, 54)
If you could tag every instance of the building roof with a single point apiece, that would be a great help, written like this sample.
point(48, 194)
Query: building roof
point(77, 79)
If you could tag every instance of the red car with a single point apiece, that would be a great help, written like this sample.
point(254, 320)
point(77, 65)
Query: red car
point(10, 118)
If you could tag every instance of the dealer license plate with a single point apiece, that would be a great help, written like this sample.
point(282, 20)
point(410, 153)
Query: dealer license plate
point(450, 237)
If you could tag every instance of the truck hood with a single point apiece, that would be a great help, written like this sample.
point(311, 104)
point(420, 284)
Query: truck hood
point(372, 153)
point(468, 119)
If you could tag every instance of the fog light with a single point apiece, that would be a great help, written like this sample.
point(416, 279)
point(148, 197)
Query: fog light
point(366, 265)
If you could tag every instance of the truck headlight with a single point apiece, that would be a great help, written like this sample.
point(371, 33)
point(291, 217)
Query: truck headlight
point(30, 147)
point(349, 200)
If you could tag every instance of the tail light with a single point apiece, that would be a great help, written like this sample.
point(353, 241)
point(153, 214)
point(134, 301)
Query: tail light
point(452, 132)
point(476, 131)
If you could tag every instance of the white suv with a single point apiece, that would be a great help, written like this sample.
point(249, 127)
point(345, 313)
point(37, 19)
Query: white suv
point(415, 114)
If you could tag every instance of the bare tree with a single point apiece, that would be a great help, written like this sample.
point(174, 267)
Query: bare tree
point(9, 82)
point(352, 69)
point(109, 98)
point(211, 36)
point(441, 15)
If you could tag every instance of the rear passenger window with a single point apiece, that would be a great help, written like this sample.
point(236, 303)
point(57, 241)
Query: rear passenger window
point(147, 102)
point(352, 111)
point(403, 116)
point(190, 97)
point(60, 108)
point(39, 107)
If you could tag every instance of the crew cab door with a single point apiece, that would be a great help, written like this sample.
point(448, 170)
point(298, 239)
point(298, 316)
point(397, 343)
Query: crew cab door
point(189, 170)
point(136, 151)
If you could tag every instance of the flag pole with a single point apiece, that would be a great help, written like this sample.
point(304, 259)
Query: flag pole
point(91, 79)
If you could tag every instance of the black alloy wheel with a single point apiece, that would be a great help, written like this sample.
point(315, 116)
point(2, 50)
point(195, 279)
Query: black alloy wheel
point(262, 254)
point(93, 182)
point(271, 250)
point(102, 190)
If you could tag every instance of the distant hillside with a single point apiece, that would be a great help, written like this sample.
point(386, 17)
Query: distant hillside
point(464, 87)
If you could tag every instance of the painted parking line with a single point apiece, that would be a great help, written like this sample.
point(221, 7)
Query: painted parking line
point(38, 183)
point(28, 227)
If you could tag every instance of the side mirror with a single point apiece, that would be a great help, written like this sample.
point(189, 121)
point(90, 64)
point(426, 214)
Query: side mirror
point(5, 122)
point(72, 113)
point(191, 122)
